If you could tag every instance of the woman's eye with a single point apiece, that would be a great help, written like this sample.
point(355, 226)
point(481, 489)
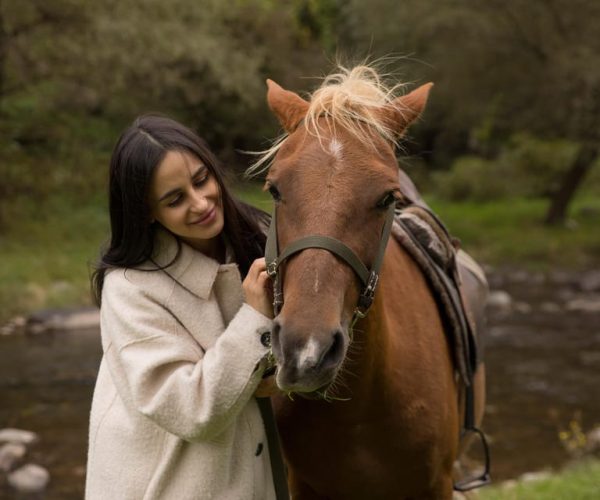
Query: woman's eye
point(201, 182)
point(175, 201)
point(274, 192)
point(387, 200)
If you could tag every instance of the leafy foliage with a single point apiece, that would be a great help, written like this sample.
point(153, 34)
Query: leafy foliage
point(517, 82)
point(525, 166)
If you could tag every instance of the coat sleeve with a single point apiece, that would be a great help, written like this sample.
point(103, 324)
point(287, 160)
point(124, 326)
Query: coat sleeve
point(164, 374)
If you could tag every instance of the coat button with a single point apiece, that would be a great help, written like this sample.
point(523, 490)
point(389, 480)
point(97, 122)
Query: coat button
point(265, 339)
point(259, 449)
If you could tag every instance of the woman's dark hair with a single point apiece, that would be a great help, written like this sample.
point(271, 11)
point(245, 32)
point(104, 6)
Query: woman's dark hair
point(138, 152)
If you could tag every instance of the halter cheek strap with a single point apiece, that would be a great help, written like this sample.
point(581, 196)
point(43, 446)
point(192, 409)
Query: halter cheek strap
point(369, 278)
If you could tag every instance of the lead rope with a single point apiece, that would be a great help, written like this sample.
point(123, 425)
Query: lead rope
point(277, 465)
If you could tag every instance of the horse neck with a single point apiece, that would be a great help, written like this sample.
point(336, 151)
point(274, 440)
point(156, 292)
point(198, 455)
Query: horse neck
point(367, 354)
point(403, 323)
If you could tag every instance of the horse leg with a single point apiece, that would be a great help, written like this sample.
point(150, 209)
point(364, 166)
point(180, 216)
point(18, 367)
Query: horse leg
point(299, 490)
point(443, 490)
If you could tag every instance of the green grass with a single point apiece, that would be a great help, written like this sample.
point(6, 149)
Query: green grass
point(252, 192)
point(46, 255)
point(510, 232)
point(578, 482)
point(46, 249)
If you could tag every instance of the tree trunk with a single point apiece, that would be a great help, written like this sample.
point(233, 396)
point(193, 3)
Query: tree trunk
point(572, 179)
point(3, 53)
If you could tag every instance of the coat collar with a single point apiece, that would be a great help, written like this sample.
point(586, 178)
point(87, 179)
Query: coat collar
point(192, 269)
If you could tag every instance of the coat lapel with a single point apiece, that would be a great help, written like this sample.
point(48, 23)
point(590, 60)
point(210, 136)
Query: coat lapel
point(191, 269)
point(200, 275)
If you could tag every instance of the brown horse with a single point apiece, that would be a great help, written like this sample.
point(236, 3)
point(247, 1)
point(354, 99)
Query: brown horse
point(374, 411)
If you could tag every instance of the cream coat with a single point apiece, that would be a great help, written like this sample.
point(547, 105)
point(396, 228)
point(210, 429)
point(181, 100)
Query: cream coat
point(173, 414)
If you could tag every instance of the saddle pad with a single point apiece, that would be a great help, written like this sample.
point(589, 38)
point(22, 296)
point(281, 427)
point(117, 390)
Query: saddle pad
point(426, 239)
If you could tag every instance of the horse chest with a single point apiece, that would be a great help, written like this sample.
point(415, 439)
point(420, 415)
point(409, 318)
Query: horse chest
point(374, 457)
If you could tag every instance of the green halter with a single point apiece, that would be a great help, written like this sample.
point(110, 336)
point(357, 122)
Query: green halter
point(369, 278)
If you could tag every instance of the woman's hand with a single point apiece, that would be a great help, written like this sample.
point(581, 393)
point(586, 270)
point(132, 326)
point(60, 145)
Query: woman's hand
point(258, 288)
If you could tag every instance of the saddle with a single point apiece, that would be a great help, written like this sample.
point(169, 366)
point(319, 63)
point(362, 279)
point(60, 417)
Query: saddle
point(457, 282)
point(446, 269)
point(460, 289)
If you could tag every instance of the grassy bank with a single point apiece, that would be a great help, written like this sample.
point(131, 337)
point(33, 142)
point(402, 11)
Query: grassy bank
point(47, 250)
point(510, 232)
point(46, 254)
point(578, 482)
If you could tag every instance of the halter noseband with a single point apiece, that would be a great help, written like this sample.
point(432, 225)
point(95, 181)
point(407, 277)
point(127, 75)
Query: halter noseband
point(369, 278)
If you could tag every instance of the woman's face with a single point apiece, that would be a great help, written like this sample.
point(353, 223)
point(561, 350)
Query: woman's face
point(185, 198)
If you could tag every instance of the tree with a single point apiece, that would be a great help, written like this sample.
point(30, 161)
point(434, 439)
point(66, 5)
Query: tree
point(515, 64)
point(202, 62)
point(559, 43)
point(573, 178)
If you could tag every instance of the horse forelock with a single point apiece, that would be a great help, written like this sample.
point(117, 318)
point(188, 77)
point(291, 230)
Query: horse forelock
point(351, 99)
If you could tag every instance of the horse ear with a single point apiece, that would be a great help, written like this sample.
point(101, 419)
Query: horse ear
point(406, 109)
point(288, 107)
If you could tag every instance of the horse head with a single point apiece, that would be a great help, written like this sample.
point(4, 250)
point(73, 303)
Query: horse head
point(334, 175)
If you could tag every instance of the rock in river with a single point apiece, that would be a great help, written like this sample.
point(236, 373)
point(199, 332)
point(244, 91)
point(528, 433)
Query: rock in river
point(9, 435)
point(63, 319)
point(590, 282)
point(30, 478)
point(10, 454)
point(590, 304)
point(500, 300)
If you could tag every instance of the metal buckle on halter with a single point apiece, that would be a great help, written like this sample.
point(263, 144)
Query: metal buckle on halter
point(366, 297)
point(372, 283)
point(272, 268)
point(365, 300)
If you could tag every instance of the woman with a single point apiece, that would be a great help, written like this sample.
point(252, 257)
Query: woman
point(185, 341)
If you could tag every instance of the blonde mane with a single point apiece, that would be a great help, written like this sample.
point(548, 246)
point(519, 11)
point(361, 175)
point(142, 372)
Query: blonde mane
point(353, 99)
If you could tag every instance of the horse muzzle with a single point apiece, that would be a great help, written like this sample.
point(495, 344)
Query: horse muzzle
point(307, 362)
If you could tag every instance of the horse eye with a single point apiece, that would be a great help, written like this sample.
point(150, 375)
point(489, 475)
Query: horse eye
point(387, 200)
point(274, 192)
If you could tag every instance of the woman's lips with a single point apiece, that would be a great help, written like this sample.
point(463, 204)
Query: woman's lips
point(207, 219)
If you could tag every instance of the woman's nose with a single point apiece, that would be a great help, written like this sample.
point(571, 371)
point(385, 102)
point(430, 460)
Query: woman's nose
point(199, 201)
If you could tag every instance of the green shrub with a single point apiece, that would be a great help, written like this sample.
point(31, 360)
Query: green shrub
point(537, 165)
point(472, 178)
point(525, 166)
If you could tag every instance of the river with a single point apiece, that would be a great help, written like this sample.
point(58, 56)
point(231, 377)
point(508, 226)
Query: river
point(543, 365)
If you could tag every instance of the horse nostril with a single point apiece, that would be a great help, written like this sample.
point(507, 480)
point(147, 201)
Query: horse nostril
point(335, 353)
point(276, 328)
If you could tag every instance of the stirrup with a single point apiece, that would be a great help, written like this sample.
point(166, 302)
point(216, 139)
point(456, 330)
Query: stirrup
point(484, 478)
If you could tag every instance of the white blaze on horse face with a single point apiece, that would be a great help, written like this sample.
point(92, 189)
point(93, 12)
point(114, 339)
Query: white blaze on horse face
point(336, 149)
point(308, 356)
point(316, 285)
